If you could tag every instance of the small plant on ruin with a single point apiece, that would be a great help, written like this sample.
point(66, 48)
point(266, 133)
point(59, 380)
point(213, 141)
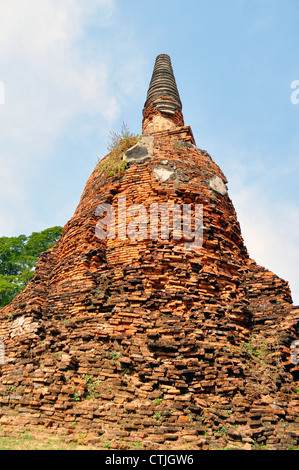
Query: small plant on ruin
point(267, 355)
point(179, 145)
point(115, 356)
point(157, 401)
point(119, 143)
point(91, 385)
point(252, 350)
point(221, 431)
point(136, 444)
point(76, 397)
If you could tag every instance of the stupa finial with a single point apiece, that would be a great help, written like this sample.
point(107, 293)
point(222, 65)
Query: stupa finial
point(163, 108)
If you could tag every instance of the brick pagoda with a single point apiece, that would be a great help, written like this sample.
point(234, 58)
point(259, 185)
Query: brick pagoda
point(139, 340)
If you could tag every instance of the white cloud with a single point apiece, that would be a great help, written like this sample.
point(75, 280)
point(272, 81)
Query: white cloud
point(68, 67)
point(270, 231)
point(36, 28)
point(49, 82)
point(46, 77)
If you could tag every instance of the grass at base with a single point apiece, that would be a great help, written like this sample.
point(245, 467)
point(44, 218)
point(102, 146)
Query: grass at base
point(25, 441)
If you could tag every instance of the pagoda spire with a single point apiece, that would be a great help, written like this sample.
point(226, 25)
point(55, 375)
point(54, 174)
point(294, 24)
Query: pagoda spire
point(163, 107)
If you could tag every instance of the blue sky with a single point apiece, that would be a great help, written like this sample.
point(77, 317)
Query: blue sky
point(74, 70)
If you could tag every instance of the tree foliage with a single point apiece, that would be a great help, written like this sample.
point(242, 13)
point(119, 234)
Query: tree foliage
point(18, 258)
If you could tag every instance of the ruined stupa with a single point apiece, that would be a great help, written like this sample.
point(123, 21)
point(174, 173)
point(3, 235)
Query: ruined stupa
point(143, 330)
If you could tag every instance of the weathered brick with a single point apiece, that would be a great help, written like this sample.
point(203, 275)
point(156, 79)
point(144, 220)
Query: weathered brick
point(142, 334)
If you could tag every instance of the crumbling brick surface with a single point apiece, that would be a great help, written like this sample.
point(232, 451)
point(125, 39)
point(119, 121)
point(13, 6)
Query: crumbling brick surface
point(142, 341)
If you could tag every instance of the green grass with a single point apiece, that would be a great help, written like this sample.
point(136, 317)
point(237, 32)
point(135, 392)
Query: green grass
point(119, 144)
point(26, 441)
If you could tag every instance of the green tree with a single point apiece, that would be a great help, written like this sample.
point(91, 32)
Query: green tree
point(18, 258)
point(8, 289)
point(11, 254)
point(41, 241)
